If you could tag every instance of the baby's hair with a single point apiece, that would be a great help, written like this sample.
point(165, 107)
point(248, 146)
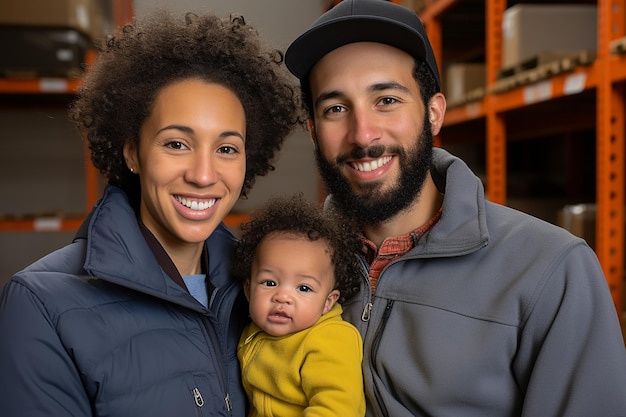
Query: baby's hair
point(298, 216)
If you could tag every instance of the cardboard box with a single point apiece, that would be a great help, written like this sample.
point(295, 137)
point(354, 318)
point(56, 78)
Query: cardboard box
point(92, 17)
point(529, 29)
point(463, 78)
point(542, 208)
point(34, 51)
point(579, 220)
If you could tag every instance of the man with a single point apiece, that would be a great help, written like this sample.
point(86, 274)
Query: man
point(467, 308)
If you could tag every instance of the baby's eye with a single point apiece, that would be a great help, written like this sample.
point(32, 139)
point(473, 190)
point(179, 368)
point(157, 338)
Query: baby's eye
point(304, 288)
point(268, 283)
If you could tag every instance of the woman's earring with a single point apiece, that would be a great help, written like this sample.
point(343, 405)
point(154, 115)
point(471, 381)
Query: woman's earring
point(132, 170)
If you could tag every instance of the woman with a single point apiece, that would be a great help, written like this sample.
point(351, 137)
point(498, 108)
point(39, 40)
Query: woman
point(139, 316)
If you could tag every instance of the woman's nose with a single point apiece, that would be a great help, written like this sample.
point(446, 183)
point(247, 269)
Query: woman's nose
point(201, 171)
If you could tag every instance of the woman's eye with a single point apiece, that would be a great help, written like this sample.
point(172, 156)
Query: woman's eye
point(176, 145)
point(227, 149)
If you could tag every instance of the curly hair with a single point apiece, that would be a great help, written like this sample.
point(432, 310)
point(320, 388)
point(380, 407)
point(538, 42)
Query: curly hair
point(140, 59)
point(298, 216)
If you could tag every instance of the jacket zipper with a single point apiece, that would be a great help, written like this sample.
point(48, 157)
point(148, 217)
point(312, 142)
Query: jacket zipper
point(367, 309)
point(229, 405)
point(217, 352)
point(215, 304)
point(375, 344)
point(367, 312)
point(197, 397)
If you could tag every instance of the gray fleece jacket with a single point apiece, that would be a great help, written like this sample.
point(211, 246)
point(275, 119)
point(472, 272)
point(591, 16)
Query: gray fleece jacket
point(493, 313)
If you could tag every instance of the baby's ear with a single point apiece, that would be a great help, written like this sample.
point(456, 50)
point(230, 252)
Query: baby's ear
point(246, 289)
point(330, 301)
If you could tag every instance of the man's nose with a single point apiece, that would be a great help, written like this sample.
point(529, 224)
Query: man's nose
point(364, 128)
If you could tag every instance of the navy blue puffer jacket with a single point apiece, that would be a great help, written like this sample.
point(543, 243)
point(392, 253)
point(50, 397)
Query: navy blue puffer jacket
point(98, 328)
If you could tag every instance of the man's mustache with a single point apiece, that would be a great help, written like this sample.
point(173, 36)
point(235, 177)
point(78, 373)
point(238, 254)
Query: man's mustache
point(359, 153)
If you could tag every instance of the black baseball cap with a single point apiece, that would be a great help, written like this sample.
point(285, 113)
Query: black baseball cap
point(361, 21)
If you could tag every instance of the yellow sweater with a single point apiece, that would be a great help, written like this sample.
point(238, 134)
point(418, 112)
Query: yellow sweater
point(315, 372)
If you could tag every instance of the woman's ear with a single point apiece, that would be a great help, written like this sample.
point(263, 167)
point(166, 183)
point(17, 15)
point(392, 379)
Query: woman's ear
point(330, 301)
point(130, 156)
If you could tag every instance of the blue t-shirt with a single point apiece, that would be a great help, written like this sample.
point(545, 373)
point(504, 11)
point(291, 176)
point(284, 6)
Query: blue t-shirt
point(197, 287)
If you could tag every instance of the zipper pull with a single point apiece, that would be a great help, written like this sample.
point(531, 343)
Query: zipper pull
point(198, 397)
point(365, 316)
point(229, 405)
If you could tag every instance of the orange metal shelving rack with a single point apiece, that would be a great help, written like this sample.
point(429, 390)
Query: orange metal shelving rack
point(123, 13)
point(606, 75)
point(58, 86)
point(610, 150)
point(50, 223)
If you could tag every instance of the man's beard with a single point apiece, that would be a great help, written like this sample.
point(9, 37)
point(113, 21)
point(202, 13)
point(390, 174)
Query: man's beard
point(371, 205)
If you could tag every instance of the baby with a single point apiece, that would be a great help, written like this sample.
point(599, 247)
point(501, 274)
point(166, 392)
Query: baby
point(298, 356)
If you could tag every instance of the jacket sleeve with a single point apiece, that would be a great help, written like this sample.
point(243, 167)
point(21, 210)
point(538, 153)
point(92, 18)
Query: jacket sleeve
point(572, 360)
point(37, 376)
point(331, 372)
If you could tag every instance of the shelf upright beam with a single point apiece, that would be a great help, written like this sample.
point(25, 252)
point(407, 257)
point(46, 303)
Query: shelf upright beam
point(123, 11)
point(122, 14)
point(610, 142)
point(496, 128)
point(434, 10)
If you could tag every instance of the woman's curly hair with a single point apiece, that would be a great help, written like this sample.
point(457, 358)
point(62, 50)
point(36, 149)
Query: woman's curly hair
point(140, 59)
point(297, 216)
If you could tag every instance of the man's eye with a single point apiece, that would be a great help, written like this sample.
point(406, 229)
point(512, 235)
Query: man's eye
point(387, 101)
point(335, 109)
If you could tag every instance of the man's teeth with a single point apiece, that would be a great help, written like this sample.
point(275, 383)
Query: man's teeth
point(195, 204)
point(371, 165)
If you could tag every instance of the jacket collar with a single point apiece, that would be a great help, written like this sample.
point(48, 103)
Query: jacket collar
point(462, 228)
point(168, 265)
point(120, 252)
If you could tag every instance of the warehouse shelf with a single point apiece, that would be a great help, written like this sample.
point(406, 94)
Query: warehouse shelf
point(55, 92)
point(586, 97)
point(574, 82)
point(32, 94)
point(41, 224)
point(60, 223)
point(44, 85)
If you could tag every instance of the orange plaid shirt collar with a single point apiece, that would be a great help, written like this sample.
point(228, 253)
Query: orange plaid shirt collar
point(392, 248)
